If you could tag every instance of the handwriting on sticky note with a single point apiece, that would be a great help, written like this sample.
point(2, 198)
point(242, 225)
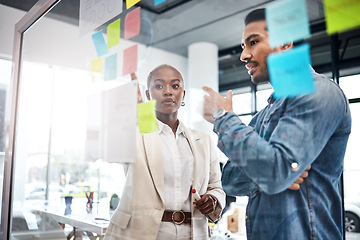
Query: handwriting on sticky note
point(132, 24)
point(341, 15)
point(147, 117)
point(290, 72)
point(113, 34)
point(287, 21)
point(130, 58)
point(99, 43)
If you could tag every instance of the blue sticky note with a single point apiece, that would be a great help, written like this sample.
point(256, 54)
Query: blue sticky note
point(100, 44)
point(111, 67)
point(157, 2)
point(287, 21)
point(290, 72)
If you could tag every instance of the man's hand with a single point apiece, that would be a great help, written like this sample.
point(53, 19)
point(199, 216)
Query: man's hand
point(300, 180)
point(214, 102)
point(206, 204)
point(134, 77)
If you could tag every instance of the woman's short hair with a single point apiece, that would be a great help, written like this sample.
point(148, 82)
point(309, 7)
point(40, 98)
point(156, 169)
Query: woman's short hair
point(157, 68)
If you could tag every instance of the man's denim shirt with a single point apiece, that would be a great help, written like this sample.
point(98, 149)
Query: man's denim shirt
point(267, 156)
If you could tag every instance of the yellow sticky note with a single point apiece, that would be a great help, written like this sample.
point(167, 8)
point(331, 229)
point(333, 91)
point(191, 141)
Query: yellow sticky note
point(130, 3)
point(113, 33)
point(96, 69)
point(96, 65)
point(147, 117)
point(341, 15)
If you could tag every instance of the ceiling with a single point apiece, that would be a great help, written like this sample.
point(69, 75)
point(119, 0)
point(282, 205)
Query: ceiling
point(175, 24)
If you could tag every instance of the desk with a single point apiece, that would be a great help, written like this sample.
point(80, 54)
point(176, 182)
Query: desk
point(82, 224)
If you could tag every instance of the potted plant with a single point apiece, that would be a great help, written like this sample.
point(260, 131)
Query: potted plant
point(114, 201)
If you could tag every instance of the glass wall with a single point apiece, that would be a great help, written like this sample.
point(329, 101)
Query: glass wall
point(64, 164)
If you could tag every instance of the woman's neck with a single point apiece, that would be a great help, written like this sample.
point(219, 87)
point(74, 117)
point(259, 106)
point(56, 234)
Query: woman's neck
point(169, 119)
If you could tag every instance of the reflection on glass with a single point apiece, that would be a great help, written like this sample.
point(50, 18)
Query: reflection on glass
point(5, 74)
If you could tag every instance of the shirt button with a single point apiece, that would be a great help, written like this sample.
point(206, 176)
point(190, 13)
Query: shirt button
point(294, 166)
point(246, 217)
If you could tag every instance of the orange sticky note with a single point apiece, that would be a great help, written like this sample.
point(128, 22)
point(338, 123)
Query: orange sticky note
point(132, 24)
point(130, 58)
point(147, 117)
point(130, 3)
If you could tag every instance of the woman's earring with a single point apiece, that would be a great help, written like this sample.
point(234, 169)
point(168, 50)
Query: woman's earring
point(183, 103)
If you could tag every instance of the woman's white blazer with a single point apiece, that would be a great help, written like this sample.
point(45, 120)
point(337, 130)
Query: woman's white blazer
point(141, 207)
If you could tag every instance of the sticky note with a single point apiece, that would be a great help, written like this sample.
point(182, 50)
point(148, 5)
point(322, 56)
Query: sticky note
point(287, 21)
point(111, 67)
point(130, 58)
point(96, 65)
point(96, 70)
point(132, 24)
point(100, 44)
point(341, 15)
point(130, 3)
point(113, 33)
point(147, 117)
point(290, 72)
point(157, 2)
point(95, 13)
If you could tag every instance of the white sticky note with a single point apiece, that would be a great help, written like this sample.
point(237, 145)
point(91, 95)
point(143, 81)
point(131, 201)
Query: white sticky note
point(111, 125)
point(93, 14)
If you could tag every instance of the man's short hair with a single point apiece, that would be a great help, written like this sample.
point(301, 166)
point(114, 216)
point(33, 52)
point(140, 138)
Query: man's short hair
point(256, 15)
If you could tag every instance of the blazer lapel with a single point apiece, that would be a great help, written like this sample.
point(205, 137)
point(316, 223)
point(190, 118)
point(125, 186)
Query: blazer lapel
point(155, 160)
point(195, 143)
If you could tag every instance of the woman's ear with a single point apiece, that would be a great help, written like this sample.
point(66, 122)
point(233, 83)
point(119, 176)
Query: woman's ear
point(184, 95)
point(147, 95)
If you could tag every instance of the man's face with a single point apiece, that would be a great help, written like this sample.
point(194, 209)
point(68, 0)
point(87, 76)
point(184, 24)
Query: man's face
point(256, 48)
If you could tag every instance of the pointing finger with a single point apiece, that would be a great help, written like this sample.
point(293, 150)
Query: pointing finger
point(209, 90)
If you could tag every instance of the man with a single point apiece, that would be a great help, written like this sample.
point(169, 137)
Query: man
point(281, 141)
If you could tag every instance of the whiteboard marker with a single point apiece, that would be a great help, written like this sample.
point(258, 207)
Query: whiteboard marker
point(196, 195)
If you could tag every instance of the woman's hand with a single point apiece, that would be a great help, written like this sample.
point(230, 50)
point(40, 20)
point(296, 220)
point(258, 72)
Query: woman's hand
point(207, 204)
point(134, 77)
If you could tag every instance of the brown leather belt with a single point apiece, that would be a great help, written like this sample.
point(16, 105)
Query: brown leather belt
point(177, 217)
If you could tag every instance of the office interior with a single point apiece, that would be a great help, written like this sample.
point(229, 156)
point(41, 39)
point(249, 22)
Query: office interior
point(53, 143)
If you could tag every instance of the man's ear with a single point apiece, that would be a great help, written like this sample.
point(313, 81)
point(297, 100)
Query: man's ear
point(147, 95)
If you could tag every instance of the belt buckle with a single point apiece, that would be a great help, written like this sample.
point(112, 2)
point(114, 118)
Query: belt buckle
point(180, 222)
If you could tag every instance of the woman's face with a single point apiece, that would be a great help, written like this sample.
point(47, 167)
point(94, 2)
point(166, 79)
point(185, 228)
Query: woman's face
point(167, 88)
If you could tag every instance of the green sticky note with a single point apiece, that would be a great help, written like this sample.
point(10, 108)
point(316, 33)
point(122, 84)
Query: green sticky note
point(147, 117)
point(341, 15)
point(113, 34)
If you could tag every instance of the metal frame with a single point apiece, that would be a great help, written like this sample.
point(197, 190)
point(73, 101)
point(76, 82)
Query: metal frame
point(30, 18)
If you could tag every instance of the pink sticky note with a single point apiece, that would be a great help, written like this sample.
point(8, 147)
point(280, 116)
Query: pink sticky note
point(130, 57)
point(132, 24)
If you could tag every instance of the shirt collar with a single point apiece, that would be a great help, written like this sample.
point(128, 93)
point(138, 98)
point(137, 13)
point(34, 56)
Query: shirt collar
point(163, 128)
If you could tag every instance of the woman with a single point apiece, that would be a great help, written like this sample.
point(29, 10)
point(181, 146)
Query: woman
point(157, 202)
